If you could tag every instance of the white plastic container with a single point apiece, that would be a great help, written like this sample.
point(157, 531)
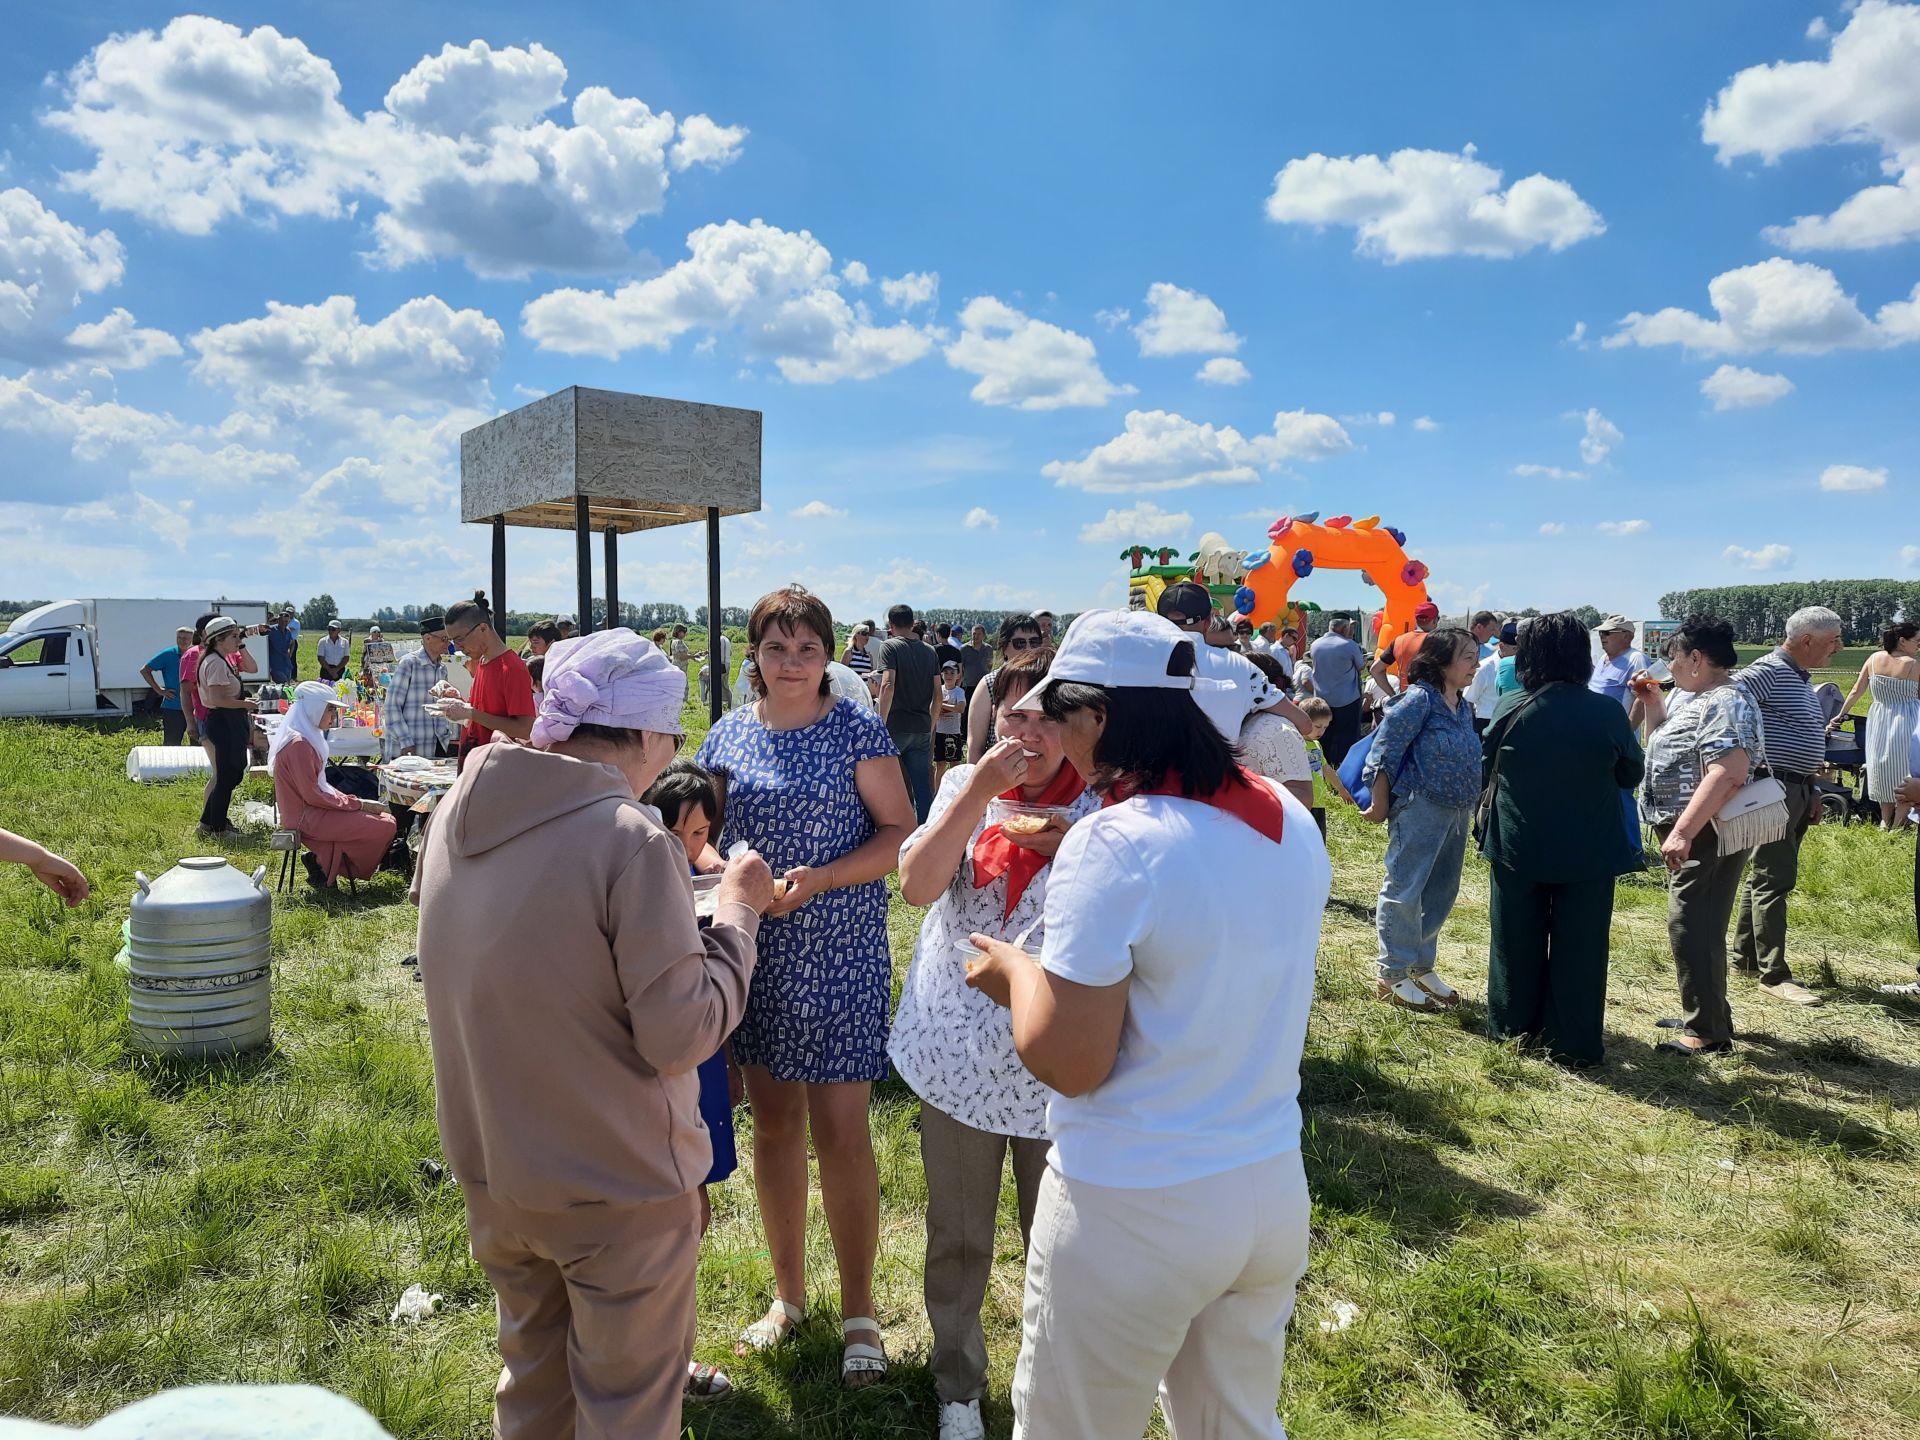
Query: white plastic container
point(147, 763)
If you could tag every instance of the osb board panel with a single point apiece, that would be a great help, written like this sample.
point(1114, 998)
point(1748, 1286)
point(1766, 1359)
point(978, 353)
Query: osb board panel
point(624, 451)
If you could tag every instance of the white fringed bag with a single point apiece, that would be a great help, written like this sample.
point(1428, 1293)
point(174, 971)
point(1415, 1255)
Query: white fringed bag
point(1756, 813)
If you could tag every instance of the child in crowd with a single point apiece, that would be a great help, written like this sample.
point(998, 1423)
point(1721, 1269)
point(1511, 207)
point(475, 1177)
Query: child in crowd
point(689, 799)
point(947, 741)
point(1325, 777)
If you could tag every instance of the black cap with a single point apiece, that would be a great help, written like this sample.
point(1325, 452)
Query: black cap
point(432, 625)
point(1187, 599)
point(1510, 633)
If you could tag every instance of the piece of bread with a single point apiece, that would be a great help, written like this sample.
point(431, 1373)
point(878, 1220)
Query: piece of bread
point(1025, 824)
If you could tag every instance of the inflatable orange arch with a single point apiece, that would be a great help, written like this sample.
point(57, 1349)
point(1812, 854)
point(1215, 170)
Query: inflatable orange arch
point(1302, 544)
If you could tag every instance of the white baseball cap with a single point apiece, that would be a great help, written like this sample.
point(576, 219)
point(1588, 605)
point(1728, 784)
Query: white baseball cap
point(1117, 648)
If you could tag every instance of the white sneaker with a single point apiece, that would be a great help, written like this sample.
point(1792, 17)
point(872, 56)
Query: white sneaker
point(960, 1421)
point(1404, 993)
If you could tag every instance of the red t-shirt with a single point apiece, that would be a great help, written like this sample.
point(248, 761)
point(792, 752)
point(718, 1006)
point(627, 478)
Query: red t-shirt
point(501, 686)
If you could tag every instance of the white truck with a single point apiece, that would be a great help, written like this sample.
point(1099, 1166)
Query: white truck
point(81, 658)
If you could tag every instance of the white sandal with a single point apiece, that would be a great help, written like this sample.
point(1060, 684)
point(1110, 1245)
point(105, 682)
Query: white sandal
point(861, 1359)
point(767, 1332)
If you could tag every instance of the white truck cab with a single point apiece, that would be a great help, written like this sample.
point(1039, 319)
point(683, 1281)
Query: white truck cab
point(78, 658)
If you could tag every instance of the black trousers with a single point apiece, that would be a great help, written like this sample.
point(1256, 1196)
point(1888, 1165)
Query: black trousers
point(226, 731)
point(173, 727)
point(1342, 733)
point(1547, 971)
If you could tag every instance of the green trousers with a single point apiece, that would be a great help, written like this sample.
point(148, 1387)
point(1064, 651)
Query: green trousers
point(1547, 974)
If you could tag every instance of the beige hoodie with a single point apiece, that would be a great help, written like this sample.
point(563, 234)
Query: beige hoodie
point(570, 994)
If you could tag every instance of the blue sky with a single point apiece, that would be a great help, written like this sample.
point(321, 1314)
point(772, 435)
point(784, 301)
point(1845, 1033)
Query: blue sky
point(1637, 285)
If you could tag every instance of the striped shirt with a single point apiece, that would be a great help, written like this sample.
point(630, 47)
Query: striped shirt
point(859, 661)
point(1793, 727)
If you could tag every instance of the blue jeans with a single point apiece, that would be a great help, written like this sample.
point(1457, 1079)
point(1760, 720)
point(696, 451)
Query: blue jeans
point(916, 763)
point(1426, 843)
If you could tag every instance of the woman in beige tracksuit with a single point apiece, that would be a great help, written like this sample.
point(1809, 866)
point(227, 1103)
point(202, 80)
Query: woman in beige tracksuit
point(571, 997)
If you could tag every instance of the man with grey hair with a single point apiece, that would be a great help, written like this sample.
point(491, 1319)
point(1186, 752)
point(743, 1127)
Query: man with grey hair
point(1794, 740)
point(1339, 674)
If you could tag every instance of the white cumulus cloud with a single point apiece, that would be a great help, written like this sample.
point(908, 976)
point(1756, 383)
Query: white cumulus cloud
point(1547, 472)
point(1778, 304)
point(1553, 527)
point(1863, 93)
point(1623, 527)
point(1852, 479)
point(1183, 322)
point(1767, 557)
point(1027, 363)
point(1159, 450)
point(1427, 423)
point(201, 122)
point(915, 288)
point(775, 287)
point(1734, 387)
point(48, 267)
point(1145, 522)
point(1419, 204)
point(318, 359)
point(981, 518)
point(819, 510)
point(1223, 370)
point(1601, 437)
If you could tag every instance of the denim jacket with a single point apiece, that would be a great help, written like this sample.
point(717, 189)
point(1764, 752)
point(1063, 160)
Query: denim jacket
point(1437, 748)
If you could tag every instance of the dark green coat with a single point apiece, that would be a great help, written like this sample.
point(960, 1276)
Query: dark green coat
point(1557, 814)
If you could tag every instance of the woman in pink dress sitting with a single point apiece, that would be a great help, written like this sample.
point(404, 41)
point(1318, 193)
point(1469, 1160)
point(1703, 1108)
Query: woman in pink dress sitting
point(343, 835)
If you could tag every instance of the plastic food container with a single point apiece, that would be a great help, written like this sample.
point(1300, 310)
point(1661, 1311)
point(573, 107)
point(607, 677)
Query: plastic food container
point(1016, 817)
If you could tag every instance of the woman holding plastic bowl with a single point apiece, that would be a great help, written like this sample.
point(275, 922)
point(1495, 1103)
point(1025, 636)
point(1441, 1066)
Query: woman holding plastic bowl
point(981, 862)
point(1171, 1228)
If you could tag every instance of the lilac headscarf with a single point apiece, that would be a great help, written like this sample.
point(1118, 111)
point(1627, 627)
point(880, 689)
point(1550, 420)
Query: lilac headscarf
point(611, 677)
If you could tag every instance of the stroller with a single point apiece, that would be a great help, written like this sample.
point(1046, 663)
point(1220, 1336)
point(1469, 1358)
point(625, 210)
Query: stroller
point(1841, 789)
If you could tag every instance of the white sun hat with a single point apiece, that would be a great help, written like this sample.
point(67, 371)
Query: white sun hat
point(1121, 649)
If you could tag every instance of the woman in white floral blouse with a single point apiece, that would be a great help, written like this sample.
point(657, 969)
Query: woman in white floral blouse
point(953, 1045)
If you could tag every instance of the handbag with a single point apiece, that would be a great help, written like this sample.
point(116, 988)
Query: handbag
point(1356, 760)
point(1756, 813)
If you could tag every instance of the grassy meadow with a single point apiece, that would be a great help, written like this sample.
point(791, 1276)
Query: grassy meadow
point(1659, 1248)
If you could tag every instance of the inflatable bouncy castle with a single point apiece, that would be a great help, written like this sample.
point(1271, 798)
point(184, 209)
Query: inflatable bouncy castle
point(1301, 544)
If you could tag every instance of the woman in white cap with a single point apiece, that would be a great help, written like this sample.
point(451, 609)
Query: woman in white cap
point(343, 835)
point(219, 691)
point(571, 998)
point(1172, 1221)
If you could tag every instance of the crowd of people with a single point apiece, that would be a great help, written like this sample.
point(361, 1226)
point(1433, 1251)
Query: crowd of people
point(714, 928)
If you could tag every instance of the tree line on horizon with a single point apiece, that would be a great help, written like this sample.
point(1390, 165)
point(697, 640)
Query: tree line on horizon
point(1758, 613)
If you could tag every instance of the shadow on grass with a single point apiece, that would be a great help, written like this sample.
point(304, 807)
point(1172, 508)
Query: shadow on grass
point(1708, 1089)
point(812, 1404)
point(173, 1077)
point(1398, 1182)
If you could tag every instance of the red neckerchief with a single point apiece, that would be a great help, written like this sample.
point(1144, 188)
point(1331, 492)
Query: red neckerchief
point(1250, 801)
point(994, 855)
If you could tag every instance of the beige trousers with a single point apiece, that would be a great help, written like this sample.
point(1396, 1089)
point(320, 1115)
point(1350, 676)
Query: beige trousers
point(594, 1338)
point(964, 1166)
point(1184, 1289)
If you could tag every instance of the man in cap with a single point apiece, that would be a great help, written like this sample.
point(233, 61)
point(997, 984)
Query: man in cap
point(1189, 605)
point(333, 650)
point(1505, 677)
point(1620, 664)
point(409, 729)
point(282, 650)
point(1394, 658)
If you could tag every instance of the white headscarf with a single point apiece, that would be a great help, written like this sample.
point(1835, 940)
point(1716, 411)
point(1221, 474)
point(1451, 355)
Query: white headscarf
point(302, 720)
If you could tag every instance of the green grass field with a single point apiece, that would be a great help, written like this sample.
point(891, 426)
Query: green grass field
point(1655, 1249)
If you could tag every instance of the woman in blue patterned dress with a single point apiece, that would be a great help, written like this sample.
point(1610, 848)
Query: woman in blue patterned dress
point(814, 784)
